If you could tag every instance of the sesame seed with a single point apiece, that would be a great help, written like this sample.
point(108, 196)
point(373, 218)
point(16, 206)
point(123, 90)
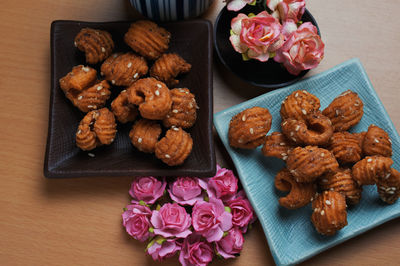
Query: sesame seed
point(390, 192)
point(86, 69)
point(139, 140)
point(101, 73)
point(168, 116)
point(129, 65)
point(103, 93)
point(322, 212)
point(112, 140)
point(292, 171)
point(80, 97)
point(377, 141)
point(175, 129)
point(283, 154)
point(103, 49)
point(322, 154)
point(79, 132)
point(297, 128)
point(282, 143)
point(251, 130)
point(244, 118)
point(294, 139)
point(284, 123)
point(175, 111)
point(167, 156)
point(297, 94)
point(284, 158)
point(181, 90)
point(157, 93)
point(91, 154)
point(369, 160)
point(304, 111)
point(388, 175)
point(75, 44)
point(97, 32)
point(304, 91)
point(240, 141)
point(136, 75)
point(337, 112)
point(99, 88)
point(190, 105)
point(356, 104)
point(90, 106)
point(123, 91)
point(159, 86)
point(292, 134)
point(113, 81)
point(390, 140)
point(328, 202)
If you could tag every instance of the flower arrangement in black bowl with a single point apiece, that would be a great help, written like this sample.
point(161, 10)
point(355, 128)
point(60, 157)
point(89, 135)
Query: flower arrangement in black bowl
point(269, 44)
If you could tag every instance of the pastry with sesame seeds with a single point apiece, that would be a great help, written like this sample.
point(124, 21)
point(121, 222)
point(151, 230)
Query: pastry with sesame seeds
point(329, 212)
point(389, 186)
point(97, 128)
point(277, 145)
point(248, 129)
point(152, 96)
point(345, 147)
point(175, 147)
point(298, 104)
point(377, 142)
point(144, 135)
point(123, 69)
point(345, 111)
point(370, 169)
point(96, 44)
point(168, 67)
point(147, 39)
point(183, 111)
point(123, 110)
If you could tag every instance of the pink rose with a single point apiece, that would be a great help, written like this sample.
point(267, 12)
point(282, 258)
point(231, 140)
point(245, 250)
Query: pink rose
point(223, 185)
point(195, 252)
point(230, 244)
point(171, 220)
point(147, 189)
point(186, 190)
point(162, 248)
point(236, 5)
point(242, 212)
point(287, 9)
point(210, 219)
point(136, 220)
point(303, 49)
point(256, 37)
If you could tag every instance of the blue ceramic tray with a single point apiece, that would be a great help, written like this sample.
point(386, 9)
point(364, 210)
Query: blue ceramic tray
point(290, 234)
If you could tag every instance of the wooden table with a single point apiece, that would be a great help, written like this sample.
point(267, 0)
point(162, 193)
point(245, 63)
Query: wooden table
point(78, 221)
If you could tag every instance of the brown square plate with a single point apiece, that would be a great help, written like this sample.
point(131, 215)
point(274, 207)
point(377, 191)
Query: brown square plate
point(190, 39)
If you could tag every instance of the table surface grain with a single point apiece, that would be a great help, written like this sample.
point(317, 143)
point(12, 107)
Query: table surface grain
point(78, 221)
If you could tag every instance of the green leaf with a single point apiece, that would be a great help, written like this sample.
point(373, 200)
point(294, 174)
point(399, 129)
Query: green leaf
point(142, 203)
point(206, 198)
point(158, 207)
point(151, 229)
point(231, 32)
point(250, 15)
point(245, 57)
point(299, 23)
point(160, 240)
point(253, 3)
point(125, 209)
point(150, 244)
point(225, 234)
point(272, 55)
point(227, 209)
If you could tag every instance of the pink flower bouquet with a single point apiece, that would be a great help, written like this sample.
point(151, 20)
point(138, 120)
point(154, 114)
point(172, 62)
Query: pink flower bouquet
point(196, 219)
point(276, 33)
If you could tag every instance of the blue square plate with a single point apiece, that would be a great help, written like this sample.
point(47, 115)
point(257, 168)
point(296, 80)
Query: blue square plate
point(290, 234)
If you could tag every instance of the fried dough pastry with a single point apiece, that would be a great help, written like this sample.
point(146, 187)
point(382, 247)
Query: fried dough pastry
point(183, 111)
point(83, 89)
point(345, 111)
point(300, 194)
point(152, 97)
point(147, 39)
point(96, 44)
point(277, 145)
point(308, 163)
point(389, 187)
point(298, 104)
point(345, 147)
point(168, 67)
point(124, 69)
point(144, 135)
point(175, 147)
point(370, 169)
point(315, 129)
point(329, 212)
point(377, 142)
point(123, 110)
point(342, 181)
point(248, 129)
point(97, 128)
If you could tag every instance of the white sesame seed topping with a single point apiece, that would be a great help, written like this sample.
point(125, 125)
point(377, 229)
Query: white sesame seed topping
point(101, 73)
point(356, 104)
point(136, 75)
point(157, 93)
point(240, 141)
point(322, 212)
point(190, 105)
point(304, 111)
point(388, 175)
point(129, 65)
point(304, 91)
point(292, 134)
point(175, 111)
point(99, 87)
point(91, 154)
point(123, 91)
point(294, 139)
point(390, 192)
point(86, 69)
point(103, 49)
point(251, 130)
point(90, 106)
point(283, 154)
point(390, 140)
point(186, 92)
point(112, 140)
point(297, 128)
point(328, 202)
point(159, 86)
point(284, 158)
point(244, 118)
point(337, 112)
point(297, 94)
point(75, 44)
point(369, 160)
point(79, 132)
point(175, 129)
point(139, 140)
point(80, 97)
point(282, 143)
point(103, 93)
point(113, 81)
point(322, 154)
point(284, 123)
point(376, 140)
point(167, 156)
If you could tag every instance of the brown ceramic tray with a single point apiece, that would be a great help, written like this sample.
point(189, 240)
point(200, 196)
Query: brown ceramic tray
point(190, 39)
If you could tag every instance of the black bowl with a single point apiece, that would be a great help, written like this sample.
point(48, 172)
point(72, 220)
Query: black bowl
point(268, 74)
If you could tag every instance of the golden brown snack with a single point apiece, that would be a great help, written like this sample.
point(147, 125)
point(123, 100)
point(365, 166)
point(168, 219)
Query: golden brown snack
point(183, 111)
point(147, 39)
point(124, 69)
point(346, 147)
point(248, 129)
point(298, 104)
point(168, 67)
point(370, 169)
point(78, 79)
point(97, 44)
point(342, 181)
point(97, 128)
point(152, 97)
point(277, 145)
point(308, 163)
point(144, 135)
point(345, 111)
point(300, 194)
point(315, 129)
point(175, 147)
point(377, 142)
point(329, 212)
point(122, 109)
point(389, 186)
point(93, 98)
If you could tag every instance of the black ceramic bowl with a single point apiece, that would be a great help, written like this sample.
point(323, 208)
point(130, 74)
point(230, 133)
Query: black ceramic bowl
point(268, 74)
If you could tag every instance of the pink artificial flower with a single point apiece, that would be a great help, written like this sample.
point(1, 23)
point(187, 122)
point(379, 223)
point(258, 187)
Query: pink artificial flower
point(210, 219)
point(223, 185)
point(187, 190)
point(231, 244)
point(236, 5)
point(256, 37)
point(147, 189)
point(171, 220)
point(195, 252)
point(287, 9)
point(136, 219)
point(162, 248)
point(242, 212)
point(303, 49)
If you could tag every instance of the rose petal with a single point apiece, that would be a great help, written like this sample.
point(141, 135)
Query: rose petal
point(236, 5)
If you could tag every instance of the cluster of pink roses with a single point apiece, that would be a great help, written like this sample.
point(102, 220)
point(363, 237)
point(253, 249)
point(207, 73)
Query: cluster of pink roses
point(193, 217)
point(277, 34)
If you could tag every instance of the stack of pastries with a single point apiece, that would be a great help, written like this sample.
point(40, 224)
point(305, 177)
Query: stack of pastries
point(148, 97)
point(326, 165)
